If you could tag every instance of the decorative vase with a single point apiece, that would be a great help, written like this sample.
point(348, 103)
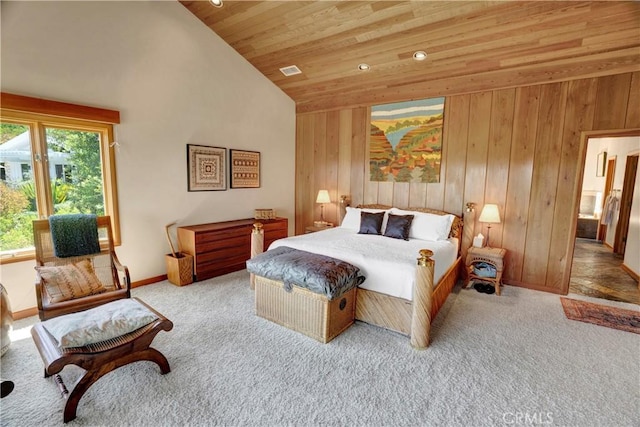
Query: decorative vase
point(6, 321)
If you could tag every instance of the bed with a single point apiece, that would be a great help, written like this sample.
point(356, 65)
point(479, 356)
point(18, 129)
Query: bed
point(407, 281)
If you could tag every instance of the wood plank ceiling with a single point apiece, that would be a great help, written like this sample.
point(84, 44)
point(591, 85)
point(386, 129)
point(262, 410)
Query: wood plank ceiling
point(471, 46)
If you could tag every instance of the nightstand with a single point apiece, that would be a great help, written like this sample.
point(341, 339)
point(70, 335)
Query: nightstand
point(314, 228)
point(491, 256)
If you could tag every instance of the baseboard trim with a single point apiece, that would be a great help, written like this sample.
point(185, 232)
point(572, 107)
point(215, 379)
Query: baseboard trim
point(534, 287)
point(28, 312)
point(630, 272)
point(33, 311)
point(148, 281)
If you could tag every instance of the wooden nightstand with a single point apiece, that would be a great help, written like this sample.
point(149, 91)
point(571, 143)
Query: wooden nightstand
point(314, 228)
point(491, 256)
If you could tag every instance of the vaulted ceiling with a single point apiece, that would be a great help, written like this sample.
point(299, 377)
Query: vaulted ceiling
point(471, 46)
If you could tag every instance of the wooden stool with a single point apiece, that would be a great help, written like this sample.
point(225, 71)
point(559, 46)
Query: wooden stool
point(100, 358)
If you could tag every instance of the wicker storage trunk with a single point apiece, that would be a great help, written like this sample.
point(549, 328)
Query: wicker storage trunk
point(304, 311)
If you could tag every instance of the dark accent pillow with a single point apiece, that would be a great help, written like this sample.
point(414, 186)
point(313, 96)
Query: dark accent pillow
point(371, 223)
point(398, 226)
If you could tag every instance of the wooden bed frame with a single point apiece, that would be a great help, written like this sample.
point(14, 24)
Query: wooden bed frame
point(412, 318)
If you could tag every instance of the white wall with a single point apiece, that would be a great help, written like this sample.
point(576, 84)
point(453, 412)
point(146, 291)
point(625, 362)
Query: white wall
point(619, 148)
point(592, 196)
point(632, 250)
point(591, 182)
point(174, 82)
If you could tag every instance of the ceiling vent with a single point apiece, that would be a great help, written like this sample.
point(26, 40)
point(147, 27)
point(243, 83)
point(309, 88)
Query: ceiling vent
point(291, 70)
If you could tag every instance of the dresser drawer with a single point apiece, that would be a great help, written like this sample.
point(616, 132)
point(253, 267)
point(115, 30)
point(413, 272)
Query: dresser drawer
point(223, 247)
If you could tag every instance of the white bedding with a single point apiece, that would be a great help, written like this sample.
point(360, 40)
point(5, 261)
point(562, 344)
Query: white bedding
point(389, 265)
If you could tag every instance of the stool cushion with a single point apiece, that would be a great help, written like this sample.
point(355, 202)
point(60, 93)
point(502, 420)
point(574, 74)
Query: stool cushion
point(99, 324)
point(320, 274)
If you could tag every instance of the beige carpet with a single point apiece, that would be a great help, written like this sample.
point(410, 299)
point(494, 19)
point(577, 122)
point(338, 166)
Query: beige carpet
point(508, 360)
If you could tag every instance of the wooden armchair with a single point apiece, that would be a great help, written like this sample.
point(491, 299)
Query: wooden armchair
point(113, 276)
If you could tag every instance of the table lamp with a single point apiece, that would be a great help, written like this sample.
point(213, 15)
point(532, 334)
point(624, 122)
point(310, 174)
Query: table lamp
point(490, 215)
point(323, 197)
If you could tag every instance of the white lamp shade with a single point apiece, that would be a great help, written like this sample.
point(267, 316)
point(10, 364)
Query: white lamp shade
point(490, 213)
point(323, 197)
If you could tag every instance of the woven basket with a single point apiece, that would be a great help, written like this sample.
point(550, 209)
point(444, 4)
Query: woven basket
point(179, 268)
point(264, 214)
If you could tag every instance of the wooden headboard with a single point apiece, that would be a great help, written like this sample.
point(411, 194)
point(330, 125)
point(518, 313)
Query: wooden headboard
point(456, 227)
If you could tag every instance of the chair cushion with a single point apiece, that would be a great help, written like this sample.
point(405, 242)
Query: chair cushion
point(71, 281)
point(99, 324)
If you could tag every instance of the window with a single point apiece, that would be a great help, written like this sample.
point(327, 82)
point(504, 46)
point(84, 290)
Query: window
point(26, 171)
point(64, 173)
point(52, 165)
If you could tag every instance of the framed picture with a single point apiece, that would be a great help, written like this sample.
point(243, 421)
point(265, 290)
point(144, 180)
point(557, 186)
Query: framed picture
point(245, 169)
point(406, 141)
point(602, 163)
point(206, 168)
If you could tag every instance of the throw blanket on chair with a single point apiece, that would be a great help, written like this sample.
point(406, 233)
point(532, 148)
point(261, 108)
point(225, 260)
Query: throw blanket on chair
point(74, 234)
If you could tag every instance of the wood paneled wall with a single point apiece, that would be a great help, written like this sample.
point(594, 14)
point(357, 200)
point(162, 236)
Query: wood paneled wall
point(521, 148)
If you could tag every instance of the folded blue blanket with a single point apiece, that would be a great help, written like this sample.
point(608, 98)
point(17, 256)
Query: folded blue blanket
point(321, 274)
point(74, 234)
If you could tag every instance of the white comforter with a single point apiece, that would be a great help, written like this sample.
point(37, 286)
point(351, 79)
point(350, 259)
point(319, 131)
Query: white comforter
point(389, 265)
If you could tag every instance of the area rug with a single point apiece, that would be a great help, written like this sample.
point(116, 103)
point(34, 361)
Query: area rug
point(611, 317)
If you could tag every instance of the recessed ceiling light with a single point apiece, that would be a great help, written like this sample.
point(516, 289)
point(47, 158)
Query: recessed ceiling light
point(420, 55)
point(216, 3)
point(364, 67)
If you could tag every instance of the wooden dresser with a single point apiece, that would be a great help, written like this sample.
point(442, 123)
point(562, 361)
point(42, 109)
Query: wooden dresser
point(222, 247)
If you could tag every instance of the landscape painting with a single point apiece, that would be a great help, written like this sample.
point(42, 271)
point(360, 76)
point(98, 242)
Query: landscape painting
point(406, 141)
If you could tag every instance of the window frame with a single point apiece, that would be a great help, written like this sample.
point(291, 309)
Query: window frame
point(29, 111)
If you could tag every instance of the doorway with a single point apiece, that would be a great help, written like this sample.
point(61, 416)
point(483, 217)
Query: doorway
point(603, 224)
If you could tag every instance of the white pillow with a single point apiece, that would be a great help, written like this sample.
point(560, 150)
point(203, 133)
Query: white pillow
point(351, 219)
point(427, 226)
point(99, 324)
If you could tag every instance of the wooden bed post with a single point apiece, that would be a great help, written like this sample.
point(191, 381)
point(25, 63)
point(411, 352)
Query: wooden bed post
point(469, 217)
point(344, 202)
point(257, 247)
point(422, 293)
